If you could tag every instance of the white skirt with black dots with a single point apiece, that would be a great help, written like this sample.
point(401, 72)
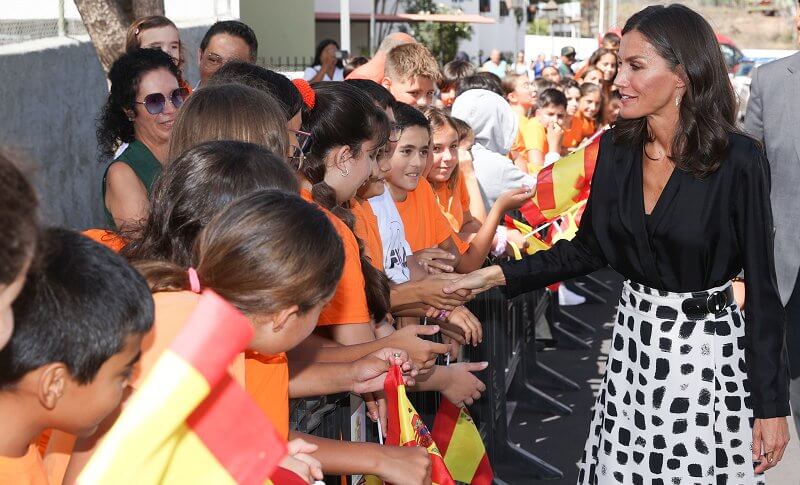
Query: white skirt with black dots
point(674, 406)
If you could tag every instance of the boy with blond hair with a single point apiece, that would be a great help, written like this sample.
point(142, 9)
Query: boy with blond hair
point(410, 74)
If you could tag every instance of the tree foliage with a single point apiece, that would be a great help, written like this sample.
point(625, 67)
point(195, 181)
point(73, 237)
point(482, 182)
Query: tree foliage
point(440, 38)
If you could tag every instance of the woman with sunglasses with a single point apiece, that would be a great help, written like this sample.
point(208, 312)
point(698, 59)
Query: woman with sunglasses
point(140, 111)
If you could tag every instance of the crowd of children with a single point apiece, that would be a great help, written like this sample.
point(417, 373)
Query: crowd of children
point(332, 214)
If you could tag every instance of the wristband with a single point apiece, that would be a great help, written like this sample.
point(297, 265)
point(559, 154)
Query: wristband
point(551, 158)
point(502, 239)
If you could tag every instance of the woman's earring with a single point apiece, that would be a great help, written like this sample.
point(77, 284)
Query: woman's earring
point(344, 172)
point(677, 100)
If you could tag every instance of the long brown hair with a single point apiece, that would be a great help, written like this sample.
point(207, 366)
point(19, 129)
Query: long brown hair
point(344, 115)
point(686, 41)
point(255, 254)
point(230, 112)
point(439, 119)
point(196, 186)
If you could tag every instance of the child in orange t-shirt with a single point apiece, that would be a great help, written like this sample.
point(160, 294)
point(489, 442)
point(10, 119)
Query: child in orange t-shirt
point(453, 198)
point(584, 123)
point(80, 320)
point(521, 97)
point(573, 134)
point(543, 134)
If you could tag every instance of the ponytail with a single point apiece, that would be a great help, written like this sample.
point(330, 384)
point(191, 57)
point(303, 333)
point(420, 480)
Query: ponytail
point(341, 114)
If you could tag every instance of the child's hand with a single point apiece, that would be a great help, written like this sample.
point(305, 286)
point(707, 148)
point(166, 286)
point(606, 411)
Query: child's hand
point(466, 324)
point(407, 465)
point(369, 372)
point(422, 352)
point(430, 292)
point(462, 387)
point(555, 134)
point(301, 462)
point(514, 198)
point(435, 260)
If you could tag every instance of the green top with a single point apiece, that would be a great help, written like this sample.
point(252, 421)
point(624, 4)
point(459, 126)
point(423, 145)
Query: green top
point(144, 165)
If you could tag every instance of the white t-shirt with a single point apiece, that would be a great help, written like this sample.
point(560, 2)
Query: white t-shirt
point(393, 237)
point(338, 74)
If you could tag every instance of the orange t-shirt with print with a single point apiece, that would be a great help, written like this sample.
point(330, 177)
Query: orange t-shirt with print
point(349, 303)
point(425, 224)
point(25, 470)
point(366, 229)
point(453, 201)
point(109, 239)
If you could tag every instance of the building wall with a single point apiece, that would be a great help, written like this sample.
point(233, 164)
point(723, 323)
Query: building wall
point(52, 92)
point(283, 28)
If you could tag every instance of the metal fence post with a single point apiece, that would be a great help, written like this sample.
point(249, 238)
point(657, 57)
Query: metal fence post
point(62, 26)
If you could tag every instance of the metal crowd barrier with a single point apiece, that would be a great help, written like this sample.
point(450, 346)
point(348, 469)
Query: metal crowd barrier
point(509, 345)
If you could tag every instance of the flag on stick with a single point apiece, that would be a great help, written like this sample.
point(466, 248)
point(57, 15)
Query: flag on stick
point(190, 422)
point(460, 442)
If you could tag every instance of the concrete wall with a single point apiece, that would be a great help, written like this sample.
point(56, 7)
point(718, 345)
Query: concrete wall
point(283, 28)
point(52, 91)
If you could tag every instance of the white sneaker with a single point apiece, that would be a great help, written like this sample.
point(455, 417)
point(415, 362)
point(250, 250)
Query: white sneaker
point(566, 297)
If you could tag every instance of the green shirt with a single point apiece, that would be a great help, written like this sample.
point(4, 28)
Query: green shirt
point(143, 163)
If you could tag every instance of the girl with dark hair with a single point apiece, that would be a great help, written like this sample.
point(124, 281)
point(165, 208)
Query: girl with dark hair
point(605, 60)
point(326, 66)
point(348, 132)
point(140, 111)
point(679, 205)
point(19, 232)
point(158, 32)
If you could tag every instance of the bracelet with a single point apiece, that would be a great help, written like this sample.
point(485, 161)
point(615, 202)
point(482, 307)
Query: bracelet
point(502, 239)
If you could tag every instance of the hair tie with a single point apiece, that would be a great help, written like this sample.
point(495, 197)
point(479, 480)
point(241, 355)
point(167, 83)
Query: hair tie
point(194, 280)
point(136, 32)
point(306, 92)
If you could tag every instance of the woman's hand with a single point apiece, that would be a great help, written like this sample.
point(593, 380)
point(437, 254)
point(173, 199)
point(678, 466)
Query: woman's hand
point(430, 292)
point(435, 260)
point(479, 280)
point(770, 437)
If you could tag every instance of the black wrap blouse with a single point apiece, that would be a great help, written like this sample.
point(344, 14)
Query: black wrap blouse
point(700, 235)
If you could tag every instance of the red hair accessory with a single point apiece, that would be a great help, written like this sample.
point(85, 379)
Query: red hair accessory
point(194, 280)
point(306, 92)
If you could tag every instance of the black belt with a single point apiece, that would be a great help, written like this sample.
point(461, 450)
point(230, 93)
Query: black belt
point(698, 308)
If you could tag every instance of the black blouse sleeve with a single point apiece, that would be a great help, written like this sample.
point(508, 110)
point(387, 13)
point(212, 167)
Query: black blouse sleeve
point(765, 321)
point(566, 259)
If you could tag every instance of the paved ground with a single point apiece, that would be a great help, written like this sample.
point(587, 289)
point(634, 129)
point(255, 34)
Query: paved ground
point(559, 439)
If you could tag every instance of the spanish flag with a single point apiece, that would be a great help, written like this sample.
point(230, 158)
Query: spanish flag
point(190, 422)
point(535, 244)
point(560, 185)
point(406, 427)
point(460, 442)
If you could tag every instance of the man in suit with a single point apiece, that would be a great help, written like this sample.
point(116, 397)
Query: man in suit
point(773, 115)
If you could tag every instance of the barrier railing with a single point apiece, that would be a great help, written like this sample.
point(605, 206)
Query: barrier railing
point(509, 345)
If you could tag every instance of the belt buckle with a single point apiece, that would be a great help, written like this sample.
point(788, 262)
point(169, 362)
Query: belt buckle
point(717, 305)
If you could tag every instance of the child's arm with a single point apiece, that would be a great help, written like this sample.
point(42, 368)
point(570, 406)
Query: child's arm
point(476, 207)
point(307, 379)
point(482, 243)
point(392, 464)
point(455, 382)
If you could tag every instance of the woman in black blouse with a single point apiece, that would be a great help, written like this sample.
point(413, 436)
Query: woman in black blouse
point(679, 205)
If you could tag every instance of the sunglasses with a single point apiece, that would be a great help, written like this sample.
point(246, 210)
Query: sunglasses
point(154, 103)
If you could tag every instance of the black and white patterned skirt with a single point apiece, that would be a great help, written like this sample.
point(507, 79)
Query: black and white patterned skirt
point(674, 406)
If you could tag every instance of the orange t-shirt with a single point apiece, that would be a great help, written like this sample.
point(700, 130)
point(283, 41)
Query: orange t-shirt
point(425, 224)
point(267, 382)
point(349, 303)
point(25, 470)
point(109, 239)
point(535, 136)
point(519, 143)
point(366, 229)
point(453, 202)
point(581, 128)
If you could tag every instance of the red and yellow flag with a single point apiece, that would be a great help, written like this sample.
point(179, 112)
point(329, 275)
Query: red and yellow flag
point(560, 185)
point(460, 442)
point(407, 429)
point(190, 422)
